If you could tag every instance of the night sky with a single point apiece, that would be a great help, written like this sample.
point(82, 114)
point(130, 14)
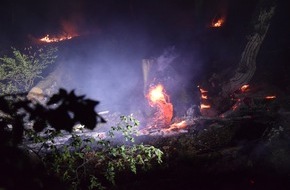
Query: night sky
point(115, 35)
point(172, 20)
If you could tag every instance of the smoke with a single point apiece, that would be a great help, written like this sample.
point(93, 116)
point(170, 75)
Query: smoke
point(106, 68)
point(107, 65)
point(165, 59)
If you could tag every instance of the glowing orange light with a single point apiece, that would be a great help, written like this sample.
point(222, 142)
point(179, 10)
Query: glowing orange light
point(177, 126)
point(156, 94)
point(49, 39)
point(203, 96)
point(235, 107)
point(204, 106)
point(270, 97)
point(237, 104)
point(245, 87)
point(159, 99)
point(202, 90)
point(216, 23)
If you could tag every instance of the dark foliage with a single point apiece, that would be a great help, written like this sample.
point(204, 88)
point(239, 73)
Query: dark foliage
point(62, 111)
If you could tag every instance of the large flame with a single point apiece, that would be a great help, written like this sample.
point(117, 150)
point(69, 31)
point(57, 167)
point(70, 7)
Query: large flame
point(160, 100)
point(156, 94)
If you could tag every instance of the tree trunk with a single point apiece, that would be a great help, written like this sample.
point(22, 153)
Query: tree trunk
point(247, 64)
point(220, 100)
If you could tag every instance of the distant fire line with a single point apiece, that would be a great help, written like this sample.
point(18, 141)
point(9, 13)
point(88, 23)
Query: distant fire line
point(49, 39)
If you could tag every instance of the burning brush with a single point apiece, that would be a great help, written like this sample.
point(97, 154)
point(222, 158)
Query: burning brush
point(48, 39)
point(162, 120)
point(159, 100)
point(68, 31)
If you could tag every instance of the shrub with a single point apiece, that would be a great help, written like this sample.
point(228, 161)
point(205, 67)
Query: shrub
point(19, 71)
point(91, 163)
point(83, 162)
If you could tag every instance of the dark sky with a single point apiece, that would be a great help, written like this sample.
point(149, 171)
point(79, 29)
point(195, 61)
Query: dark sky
point(173, 21)
point(168, 18)
point(37, 17)
point(125, 31)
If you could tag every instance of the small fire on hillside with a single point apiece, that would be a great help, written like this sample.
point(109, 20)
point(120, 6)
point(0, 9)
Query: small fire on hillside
point(217, 22)
point(59, 38)
point(68, 29)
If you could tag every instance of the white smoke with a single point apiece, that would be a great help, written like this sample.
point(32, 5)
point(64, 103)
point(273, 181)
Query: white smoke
point(165, 59)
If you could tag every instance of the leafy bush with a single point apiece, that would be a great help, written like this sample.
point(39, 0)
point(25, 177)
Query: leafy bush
point(94, 163)
point(19, 71)
point(62, 111)
point(16, 115)
point(83, 161)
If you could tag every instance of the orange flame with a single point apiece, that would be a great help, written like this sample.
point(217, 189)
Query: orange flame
point(48, 39)
point(203, 96)
point(270, 97)
point(216, 23)
point(156, 94)
point(177, 126)
point(202, 90)
point(245, 87)
point(159, 99)
point(204, 106)
point(68, 29)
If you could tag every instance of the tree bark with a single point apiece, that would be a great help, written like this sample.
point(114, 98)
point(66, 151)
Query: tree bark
point(221, 97)
point(247, 64)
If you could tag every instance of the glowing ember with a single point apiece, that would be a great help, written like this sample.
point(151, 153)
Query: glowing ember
point(48, 39)
point(270, 97)
point(245, 87)
point(204, 106)
point(203, 96)
point(237, 104)
point(160, 100)
point(217, 23)
point(202, 91)
point(177, 126)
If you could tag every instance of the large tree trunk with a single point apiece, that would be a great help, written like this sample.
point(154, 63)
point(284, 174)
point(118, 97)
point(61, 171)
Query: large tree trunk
point(247, 64)
point(221, 100)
